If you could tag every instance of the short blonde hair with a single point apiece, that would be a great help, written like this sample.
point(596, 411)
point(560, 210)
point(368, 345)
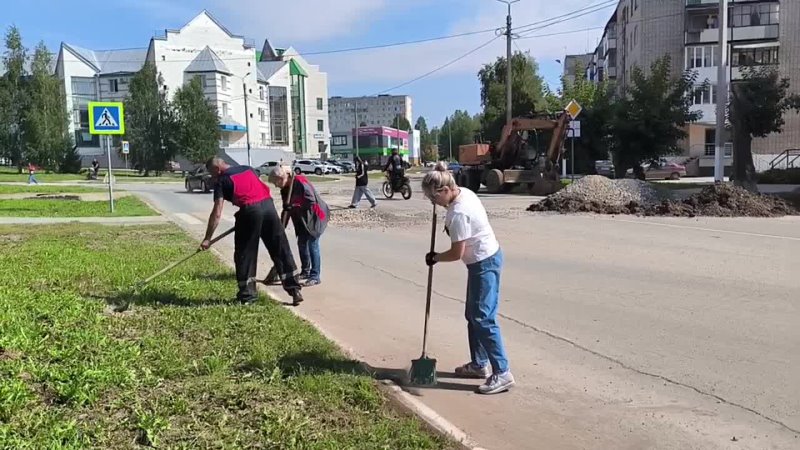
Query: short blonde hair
point(279, 172)
point(437, 179)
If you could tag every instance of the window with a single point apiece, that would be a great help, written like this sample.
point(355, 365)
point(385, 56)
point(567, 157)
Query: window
point(339, 141)
point(320, 125)
point(262, 114)
point(261, 92)
point(701, 56)
point(635, 34)
point(704, 95)
point(113, 85)
point(279, 115)
point(224, 82)
point(319, 104)
point(225, 110)
point(751, 15)
point(754, 56)
point(264, 139)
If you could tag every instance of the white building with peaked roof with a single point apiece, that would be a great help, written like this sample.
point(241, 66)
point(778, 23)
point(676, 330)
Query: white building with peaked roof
point(271, 100)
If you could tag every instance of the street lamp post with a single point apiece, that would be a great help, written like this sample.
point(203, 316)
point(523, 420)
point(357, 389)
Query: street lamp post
point(247, 119)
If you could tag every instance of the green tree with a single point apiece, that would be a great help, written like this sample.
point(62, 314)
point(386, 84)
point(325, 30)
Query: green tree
point(13, 98)
point(526, 84)
point(425, 139)
point(462, 128)
point(46, 121)
point(757, 106)
point(595, 118)
point(650, 119)
point(400, 123)
point(198, 135)
point(150, 122)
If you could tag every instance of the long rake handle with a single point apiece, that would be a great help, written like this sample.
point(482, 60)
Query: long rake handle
point(177, 263)
point(430, 286)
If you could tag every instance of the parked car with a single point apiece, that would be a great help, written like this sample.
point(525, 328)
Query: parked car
point(455, 168)
point(604, 167)
point(265, 168)
point(344, 166)
point(661, 170)
point(330, 167)
point(309, 166)
point(172, 166)
point(198, 179)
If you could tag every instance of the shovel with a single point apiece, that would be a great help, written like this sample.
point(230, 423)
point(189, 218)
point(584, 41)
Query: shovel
point(423, 370)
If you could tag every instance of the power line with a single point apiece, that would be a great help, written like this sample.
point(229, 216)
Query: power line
point(562, 20)
point(559, 33)
point(440, 67)
point(568, 16)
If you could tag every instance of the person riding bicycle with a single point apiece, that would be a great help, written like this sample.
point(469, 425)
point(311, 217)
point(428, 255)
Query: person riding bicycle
point(396, 170)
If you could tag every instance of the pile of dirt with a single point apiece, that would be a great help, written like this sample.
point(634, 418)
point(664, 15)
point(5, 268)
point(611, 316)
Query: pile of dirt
point(640, 198)
point(598, 194)
point(722, 200)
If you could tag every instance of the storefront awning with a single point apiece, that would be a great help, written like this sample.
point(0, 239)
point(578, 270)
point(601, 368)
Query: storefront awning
point(228, 124)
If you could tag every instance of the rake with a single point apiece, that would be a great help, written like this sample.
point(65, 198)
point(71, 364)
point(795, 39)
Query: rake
point(139, 285)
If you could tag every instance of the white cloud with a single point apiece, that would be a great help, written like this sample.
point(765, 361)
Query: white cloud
point(297, 20)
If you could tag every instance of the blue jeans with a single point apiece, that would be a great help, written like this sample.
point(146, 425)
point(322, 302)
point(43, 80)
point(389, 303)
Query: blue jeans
point(32, 179)
point(483, 290)
point(308, 247)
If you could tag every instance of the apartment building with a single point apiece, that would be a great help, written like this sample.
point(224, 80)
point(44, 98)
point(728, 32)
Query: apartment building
point(574, 65)
point(379, 111)
point(272, 97)
point(761, 32)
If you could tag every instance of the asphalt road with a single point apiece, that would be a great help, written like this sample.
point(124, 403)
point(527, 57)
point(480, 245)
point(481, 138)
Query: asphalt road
point(623, 333)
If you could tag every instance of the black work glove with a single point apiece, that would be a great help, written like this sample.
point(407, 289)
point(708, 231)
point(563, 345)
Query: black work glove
point(429, 258)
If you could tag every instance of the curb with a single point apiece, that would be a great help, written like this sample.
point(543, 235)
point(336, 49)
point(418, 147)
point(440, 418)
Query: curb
point(400, 400)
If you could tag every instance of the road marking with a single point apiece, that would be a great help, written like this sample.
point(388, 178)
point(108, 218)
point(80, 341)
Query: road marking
point(713, 230)
point(190, 220)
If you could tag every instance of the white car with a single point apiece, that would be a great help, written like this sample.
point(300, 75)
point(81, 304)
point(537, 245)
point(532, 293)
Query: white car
point(331, 168)
point(310, 166)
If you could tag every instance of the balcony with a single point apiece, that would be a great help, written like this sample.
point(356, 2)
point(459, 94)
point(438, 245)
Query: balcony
point(611, 44)
point(711, 35)
point(701, 2)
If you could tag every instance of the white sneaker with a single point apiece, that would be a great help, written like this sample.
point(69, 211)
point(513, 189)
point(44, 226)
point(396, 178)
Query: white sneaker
point(497, 383)
point(470, 370)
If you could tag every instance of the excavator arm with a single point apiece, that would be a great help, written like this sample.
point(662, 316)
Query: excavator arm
point(509, 144)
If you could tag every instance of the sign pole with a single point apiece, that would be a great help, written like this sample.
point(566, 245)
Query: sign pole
point(110, 176)
point(572, 157)
point(106, 119)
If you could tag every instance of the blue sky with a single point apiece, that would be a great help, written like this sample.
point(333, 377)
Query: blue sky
point(320, 25)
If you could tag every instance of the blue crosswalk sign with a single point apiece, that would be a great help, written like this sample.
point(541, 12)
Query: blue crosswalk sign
point(106, 118)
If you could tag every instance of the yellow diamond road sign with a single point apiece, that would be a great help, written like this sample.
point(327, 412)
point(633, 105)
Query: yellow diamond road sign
point(573, 109)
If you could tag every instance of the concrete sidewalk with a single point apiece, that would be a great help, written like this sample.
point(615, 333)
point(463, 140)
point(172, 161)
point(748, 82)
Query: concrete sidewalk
point(618, 337)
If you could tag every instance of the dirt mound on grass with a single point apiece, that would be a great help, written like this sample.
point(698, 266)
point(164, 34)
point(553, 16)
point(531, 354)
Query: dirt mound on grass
point(723, 200)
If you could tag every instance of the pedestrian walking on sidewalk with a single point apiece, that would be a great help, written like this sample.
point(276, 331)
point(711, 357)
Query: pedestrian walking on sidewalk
point(309, 215)
point(473, 241)
point(362, 184)
point(256, 219)
point(32, 174)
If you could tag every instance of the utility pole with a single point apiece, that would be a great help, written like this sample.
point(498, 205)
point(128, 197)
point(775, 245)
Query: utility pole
point(450, 132)
point(355, 118)
point(247, 120)
point(508, 58)
point(722, 93)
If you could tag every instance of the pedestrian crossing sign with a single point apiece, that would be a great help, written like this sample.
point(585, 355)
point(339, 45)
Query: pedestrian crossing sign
point(106, 118)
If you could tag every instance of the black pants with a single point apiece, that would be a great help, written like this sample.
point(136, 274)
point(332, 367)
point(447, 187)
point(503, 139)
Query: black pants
point(254, 222)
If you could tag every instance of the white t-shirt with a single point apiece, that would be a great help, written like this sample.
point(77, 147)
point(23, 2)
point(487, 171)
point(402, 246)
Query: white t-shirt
point(466, 220)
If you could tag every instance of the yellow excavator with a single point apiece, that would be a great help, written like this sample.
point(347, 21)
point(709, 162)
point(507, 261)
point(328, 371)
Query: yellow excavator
point(512, 161)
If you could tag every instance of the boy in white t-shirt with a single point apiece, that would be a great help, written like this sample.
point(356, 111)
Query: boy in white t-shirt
point(473, 242)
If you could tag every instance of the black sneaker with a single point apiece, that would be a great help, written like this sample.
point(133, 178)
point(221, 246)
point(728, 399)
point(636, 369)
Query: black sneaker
point(248, 301)
point(304, 276)
point(351, 207)
point(297, 298)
